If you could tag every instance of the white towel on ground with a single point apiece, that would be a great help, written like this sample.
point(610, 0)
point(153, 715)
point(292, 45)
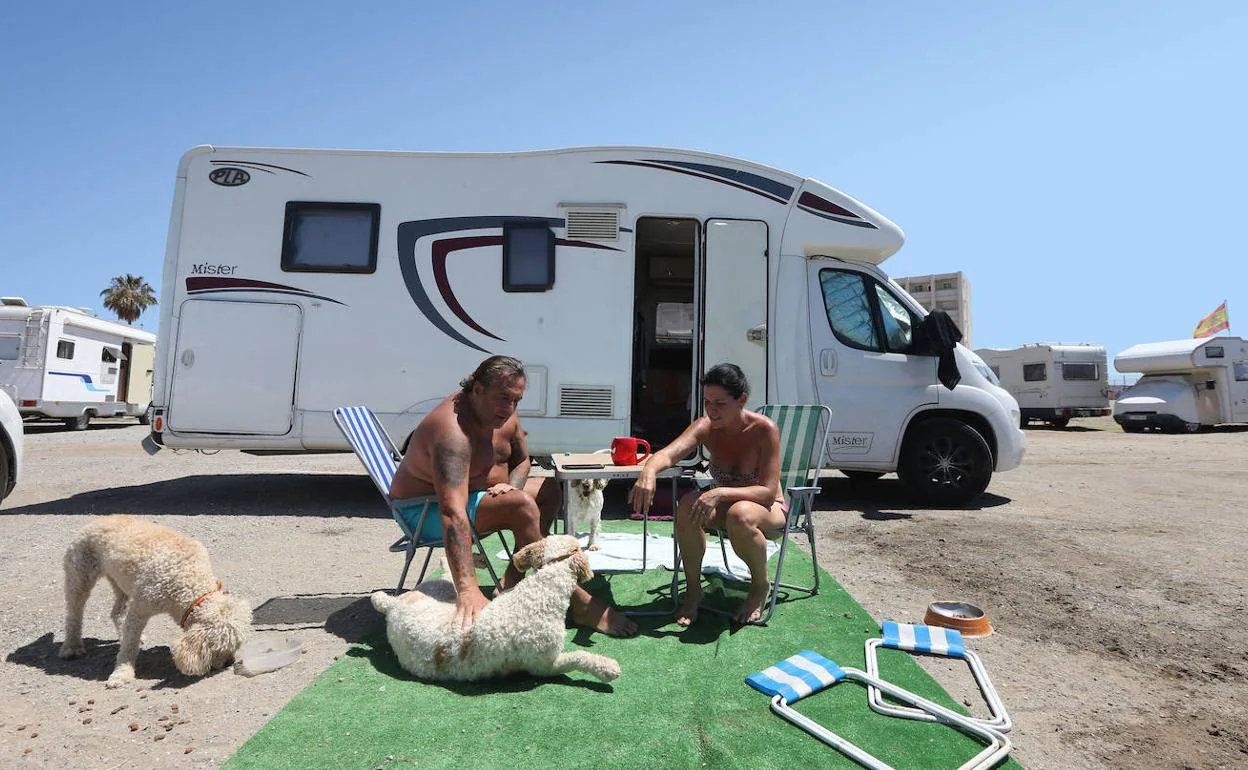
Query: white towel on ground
point(621, 551)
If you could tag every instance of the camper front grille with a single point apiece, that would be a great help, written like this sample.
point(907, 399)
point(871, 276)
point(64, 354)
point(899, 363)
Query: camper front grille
point(593, 225)
point(585, 401)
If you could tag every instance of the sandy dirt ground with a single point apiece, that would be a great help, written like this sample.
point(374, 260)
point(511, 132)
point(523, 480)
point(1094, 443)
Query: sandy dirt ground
point(1113, 567)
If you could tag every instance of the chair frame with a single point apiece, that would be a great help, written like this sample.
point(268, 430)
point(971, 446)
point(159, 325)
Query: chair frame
point(377, 453)
point(801, 508)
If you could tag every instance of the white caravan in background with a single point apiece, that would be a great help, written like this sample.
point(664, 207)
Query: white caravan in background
point(1053, 383)
point(65, 364)
point(297, 281)
point(1187, 385)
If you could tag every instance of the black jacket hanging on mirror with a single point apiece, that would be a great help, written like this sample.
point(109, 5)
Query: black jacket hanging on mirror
point(936, 336)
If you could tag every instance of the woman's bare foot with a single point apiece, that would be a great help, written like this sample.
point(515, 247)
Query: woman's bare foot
point(751, 610)
point(687, 615)
point(597, 616)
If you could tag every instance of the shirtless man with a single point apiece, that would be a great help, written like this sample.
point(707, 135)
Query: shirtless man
point(470, 452)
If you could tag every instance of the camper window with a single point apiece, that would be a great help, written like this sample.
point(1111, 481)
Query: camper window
point(1035, 373)
point(849, 310)
point(330, 237)
point(898, 324)
point(65, 349)
point(9, 347)
point(528, 256)
point(1079, 371)
point(1241, 371)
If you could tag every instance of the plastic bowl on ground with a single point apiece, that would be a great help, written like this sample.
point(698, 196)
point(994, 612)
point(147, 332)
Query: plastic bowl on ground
point(970, 620)
point(265, 654)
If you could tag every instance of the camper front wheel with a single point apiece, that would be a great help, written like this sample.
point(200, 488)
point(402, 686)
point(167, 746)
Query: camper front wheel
point(78, 423)
point(946, 461)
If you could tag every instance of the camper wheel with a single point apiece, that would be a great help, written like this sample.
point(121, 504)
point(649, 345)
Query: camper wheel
point(4, 470)
point(946, 461)
point(1059, 422)
point(1192, 427)
point(78, 423)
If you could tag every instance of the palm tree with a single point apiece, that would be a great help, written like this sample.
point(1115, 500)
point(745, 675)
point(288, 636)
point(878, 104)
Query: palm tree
point(128, 296)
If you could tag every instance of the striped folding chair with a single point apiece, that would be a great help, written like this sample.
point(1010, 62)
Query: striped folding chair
point(803, 444)
point(377, 453)
point(808, 673)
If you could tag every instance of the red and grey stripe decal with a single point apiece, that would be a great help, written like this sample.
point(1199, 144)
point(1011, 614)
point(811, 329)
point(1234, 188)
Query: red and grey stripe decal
point(440, 250)
point(821, 207)
point(216, 285)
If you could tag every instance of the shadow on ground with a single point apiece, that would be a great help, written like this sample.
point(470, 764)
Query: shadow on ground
point(248, 494)
point(38, 428)
point(154, 663)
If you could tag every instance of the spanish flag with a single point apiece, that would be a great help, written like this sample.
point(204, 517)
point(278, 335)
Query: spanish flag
point(1213, 323)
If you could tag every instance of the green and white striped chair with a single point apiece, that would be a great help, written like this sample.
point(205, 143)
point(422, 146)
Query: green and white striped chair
point(803, 447)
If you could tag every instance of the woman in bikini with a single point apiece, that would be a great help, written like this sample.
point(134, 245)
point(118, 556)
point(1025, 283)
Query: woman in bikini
point(744, 450)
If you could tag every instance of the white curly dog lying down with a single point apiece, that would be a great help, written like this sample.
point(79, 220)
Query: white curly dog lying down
point(520, 631)
point(152, 569)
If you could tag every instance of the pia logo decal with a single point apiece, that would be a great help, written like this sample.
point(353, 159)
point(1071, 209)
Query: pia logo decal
point(228, 176)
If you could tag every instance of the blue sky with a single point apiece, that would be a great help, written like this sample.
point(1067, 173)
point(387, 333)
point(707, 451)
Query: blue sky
point(1081, 162)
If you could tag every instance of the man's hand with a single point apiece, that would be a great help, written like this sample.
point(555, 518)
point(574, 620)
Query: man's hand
point(500, 489)
point(642, 495)
point(706, 504)
point(468, 606)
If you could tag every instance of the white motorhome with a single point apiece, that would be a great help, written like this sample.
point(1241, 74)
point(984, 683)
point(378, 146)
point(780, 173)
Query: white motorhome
point(1187, 384)
point(296, 281)
point(63, 363)
point(1053, 383)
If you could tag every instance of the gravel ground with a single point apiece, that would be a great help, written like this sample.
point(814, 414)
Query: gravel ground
point(1112, 567)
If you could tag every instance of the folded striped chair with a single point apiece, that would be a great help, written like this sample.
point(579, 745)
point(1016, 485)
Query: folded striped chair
point(932, 640)
point(808, 673)
point(380, 459)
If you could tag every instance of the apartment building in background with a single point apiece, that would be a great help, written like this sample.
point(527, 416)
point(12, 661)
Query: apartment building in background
point(950, 292)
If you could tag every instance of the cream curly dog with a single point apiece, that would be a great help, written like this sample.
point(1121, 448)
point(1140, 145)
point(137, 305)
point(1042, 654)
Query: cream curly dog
point(521, 630)
point(152, 569)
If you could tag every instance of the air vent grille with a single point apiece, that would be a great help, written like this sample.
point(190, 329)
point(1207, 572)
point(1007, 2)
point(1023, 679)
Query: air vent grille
point(585, 401)
point(590, 225)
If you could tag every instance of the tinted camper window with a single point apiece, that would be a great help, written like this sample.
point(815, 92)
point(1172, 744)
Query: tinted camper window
point(9, 347)
point(1034, 373)
point(65, 349)
point(330, 237)
point(849, 312)
point(1079, 371)
point(528, 257)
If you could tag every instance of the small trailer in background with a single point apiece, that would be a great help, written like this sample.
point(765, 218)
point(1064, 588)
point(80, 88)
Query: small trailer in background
point(1187, 385)
point(63, 363)
point(1053, 383)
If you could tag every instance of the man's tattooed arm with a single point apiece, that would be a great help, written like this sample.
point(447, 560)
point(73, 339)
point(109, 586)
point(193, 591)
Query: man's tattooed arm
point(451, 457)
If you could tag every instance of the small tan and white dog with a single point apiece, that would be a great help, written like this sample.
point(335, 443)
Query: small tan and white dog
point(585, 508)
point(152, 569)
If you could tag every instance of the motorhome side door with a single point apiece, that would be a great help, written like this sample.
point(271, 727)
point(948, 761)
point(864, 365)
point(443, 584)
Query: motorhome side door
point(234, 368)
point(858, 330)
point(734, 300)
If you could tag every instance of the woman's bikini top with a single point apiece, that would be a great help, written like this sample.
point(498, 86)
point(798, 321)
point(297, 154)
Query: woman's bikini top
point(727, 478)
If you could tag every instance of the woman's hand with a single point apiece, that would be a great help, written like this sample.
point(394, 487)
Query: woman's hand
point(706, 504)
point(642, 495)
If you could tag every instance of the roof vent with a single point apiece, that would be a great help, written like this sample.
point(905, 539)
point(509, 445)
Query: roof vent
point(593, 224)
point(590, 401)
point(13, 302)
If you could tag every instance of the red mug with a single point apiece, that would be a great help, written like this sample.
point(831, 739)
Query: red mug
point(624, 450)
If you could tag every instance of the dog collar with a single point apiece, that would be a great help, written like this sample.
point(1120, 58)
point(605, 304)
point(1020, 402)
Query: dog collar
point(198, 602)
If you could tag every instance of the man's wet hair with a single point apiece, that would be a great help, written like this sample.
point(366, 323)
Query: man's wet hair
point(491, 370)
point(729, 377)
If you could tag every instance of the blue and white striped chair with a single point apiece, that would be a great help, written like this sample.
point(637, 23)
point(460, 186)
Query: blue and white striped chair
point(377, 453)
point(808, 673)
point(932, 640)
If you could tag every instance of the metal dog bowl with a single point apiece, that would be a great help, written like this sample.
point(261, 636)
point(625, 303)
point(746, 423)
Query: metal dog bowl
point(970, 620)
